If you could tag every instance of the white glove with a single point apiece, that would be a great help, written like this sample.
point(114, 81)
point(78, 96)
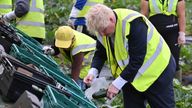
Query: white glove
point(2, 53)
point(9, 16)
point(70, 23)
point(2, 48)
point(48, 50)
point(181, 38)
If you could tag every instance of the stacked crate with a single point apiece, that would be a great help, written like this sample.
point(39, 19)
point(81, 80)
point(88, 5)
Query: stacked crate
point(29, 51)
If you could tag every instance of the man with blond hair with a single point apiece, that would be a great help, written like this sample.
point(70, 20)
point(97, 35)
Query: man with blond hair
point(139, 58)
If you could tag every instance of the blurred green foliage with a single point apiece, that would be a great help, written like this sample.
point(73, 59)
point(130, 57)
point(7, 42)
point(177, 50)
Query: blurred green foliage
point(130, 4)
point(186, 58)
point(183, 95)
point(186, 51)
point(188, 17)
point(57, 13)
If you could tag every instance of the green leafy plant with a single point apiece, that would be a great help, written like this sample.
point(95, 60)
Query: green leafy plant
point(188, 17)
point(56, 14)
point(186, 58)
point(183, 95)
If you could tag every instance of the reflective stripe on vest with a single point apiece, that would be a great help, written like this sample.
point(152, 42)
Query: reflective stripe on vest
point(125, 61)
point(80, 47)
point(33, 21)
point(151, 60)
point(157, 51)
point(34, 8)
point(28, 23)
point(168, 8)
point(5, 6)
point(88, 5)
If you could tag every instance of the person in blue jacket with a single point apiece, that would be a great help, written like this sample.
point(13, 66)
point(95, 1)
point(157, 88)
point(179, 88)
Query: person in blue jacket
point(78, 13)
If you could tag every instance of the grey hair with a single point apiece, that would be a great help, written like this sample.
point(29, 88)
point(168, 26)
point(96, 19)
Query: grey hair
point(97, 18)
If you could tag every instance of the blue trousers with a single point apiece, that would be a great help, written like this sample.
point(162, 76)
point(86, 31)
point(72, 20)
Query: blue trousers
point(159, 95)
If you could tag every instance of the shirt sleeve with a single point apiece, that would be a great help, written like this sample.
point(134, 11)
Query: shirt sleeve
point(99, 57)
point(119, 82)
point(77, 7)
point(80, 4)
point(21, 8)
point(137, 40)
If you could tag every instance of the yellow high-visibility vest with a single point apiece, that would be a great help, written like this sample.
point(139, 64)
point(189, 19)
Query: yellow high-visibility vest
point(88, 5)
point(168, 8)
point(157, 54)
point(33, 22)
point(83, 43)
point(5, 6)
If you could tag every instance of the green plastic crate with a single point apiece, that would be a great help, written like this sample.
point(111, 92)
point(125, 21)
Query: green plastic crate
point(54, 99)
point(40, 54)
point(27, 39)
point(77, 93)
point(28, 57)
point(65, 81)
point(30, 51)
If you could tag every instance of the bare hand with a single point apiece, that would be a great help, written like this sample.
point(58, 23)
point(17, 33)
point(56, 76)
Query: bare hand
point(88, 79)
point(112, 91)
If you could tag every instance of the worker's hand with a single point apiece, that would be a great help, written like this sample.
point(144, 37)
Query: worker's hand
point(89, 79)
point(2, 48)
point(9, 16)
point(112, 91)
point(2, 52)
point(48, 50)
point(181, 38)
point(5, 18)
